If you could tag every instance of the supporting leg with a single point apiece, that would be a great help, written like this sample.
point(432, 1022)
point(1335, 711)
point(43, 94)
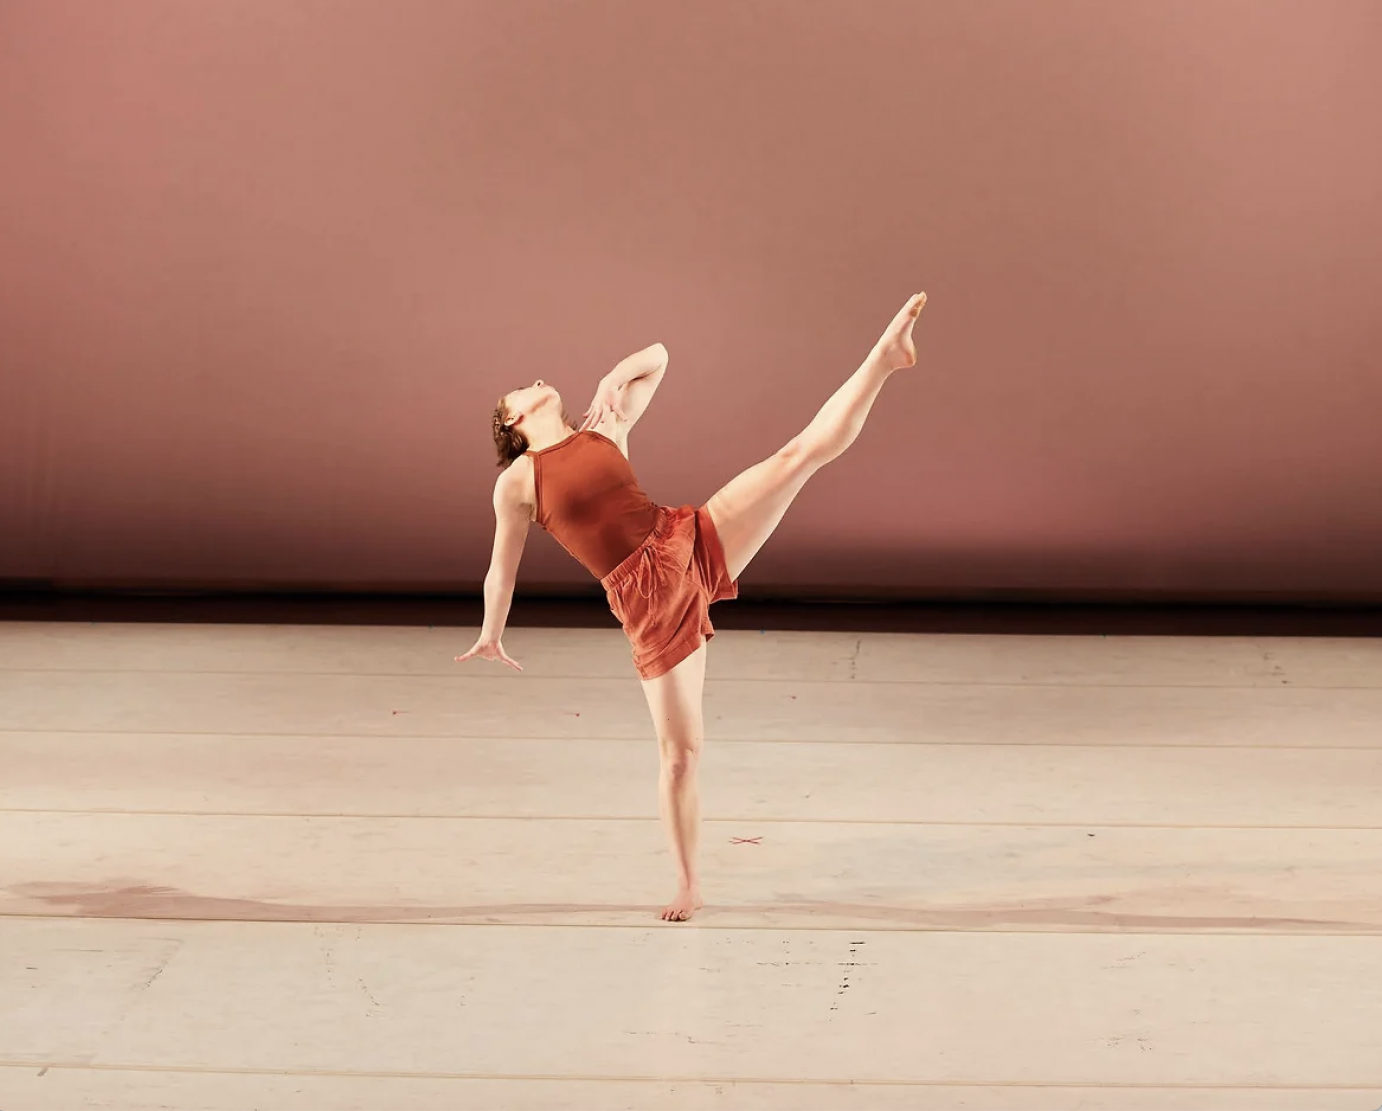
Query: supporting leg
point(675, 702)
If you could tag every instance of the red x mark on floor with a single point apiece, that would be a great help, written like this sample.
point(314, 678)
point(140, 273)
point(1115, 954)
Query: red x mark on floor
point(746, 840)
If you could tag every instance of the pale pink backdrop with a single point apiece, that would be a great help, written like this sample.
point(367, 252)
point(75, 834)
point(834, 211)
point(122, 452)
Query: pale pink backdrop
point(265, 267)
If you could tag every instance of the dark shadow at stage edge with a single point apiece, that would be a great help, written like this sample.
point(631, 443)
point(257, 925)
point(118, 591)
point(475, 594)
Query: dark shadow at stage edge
point(1012, 617)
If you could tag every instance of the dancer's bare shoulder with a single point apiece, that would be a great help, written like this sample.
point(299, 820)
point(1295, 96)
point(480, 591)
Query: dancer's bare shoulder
point(517, 488)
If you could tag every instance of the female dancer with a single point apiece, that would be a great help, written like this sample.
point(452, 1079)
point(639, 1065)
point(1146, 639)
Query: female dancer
point(661, 567)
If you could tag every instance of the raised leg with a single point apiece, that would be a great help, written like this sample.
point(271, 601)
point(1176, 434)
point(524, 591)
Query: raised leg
point(675, 702)
point(749, 507)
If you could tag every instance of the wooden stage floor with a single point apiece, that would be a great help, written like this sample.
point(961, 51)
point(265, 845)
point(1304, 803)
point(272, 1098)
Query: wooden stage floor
point(321, 867)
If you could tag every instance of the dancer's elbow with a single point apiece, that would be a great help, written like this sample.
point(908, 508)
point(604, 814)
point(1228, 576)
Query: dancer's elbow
point(499, 583)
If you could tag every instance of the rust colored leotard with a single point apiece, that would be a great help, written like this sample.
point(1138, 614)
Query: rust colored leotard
point(661, 567)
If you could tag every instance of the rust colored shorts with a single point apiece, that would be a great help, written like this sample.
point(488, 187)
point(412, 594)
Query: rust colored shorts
point(662, 592)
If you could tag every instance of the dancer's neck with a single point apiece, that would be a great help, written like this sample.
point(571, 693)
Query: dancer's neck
point(543, 435)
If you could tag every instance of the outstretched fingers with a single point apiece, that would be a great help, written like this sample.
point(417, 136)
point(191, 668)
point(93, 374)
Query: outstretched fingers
point(491, 652)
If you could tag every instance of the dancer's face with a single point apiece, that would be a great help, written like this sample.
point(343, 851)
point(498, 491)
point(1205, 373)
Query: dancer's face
point(520, 403)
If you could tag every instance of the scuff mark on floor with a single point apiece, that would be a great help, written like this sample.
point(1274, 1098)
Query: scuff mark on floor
point(850, 963)
point(1277, 671)
point(854, 658)
point(175, 947)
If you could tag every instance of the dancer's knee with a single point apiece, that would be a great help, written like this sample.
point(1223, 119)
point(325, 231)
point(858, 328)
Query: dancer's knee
point(802, 453)
point(681, 758)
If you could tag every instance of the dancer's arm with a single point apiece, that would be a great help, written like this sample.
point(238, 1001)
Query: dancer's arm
point(639, 376)
point(623, 394)
point(511, 518)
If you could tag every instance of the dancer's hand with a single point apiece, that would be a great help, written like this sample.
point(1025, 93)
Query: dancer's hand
point(608, 399)
point(490, 650)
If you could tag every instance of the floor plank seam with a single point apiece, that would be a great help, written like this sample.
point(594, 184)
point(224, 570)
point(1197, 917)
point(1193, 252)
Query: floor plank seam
point(706, 923)
point(711, 680)
point(783, 1081)
point(712, 739)
point(721, 819)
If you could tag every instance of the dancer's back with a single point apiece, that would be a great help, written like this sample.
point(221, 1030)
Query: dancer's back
point(586, 495)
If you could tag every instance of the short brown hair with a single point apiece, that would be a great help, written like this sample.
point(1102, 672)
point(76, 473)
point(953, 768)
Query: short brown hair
point(508, 441)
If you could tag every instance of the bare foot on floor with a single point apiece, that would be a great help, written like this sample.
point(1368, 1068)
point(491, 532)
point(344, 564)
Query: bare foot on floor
point(896, 346)
point(680, 909)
